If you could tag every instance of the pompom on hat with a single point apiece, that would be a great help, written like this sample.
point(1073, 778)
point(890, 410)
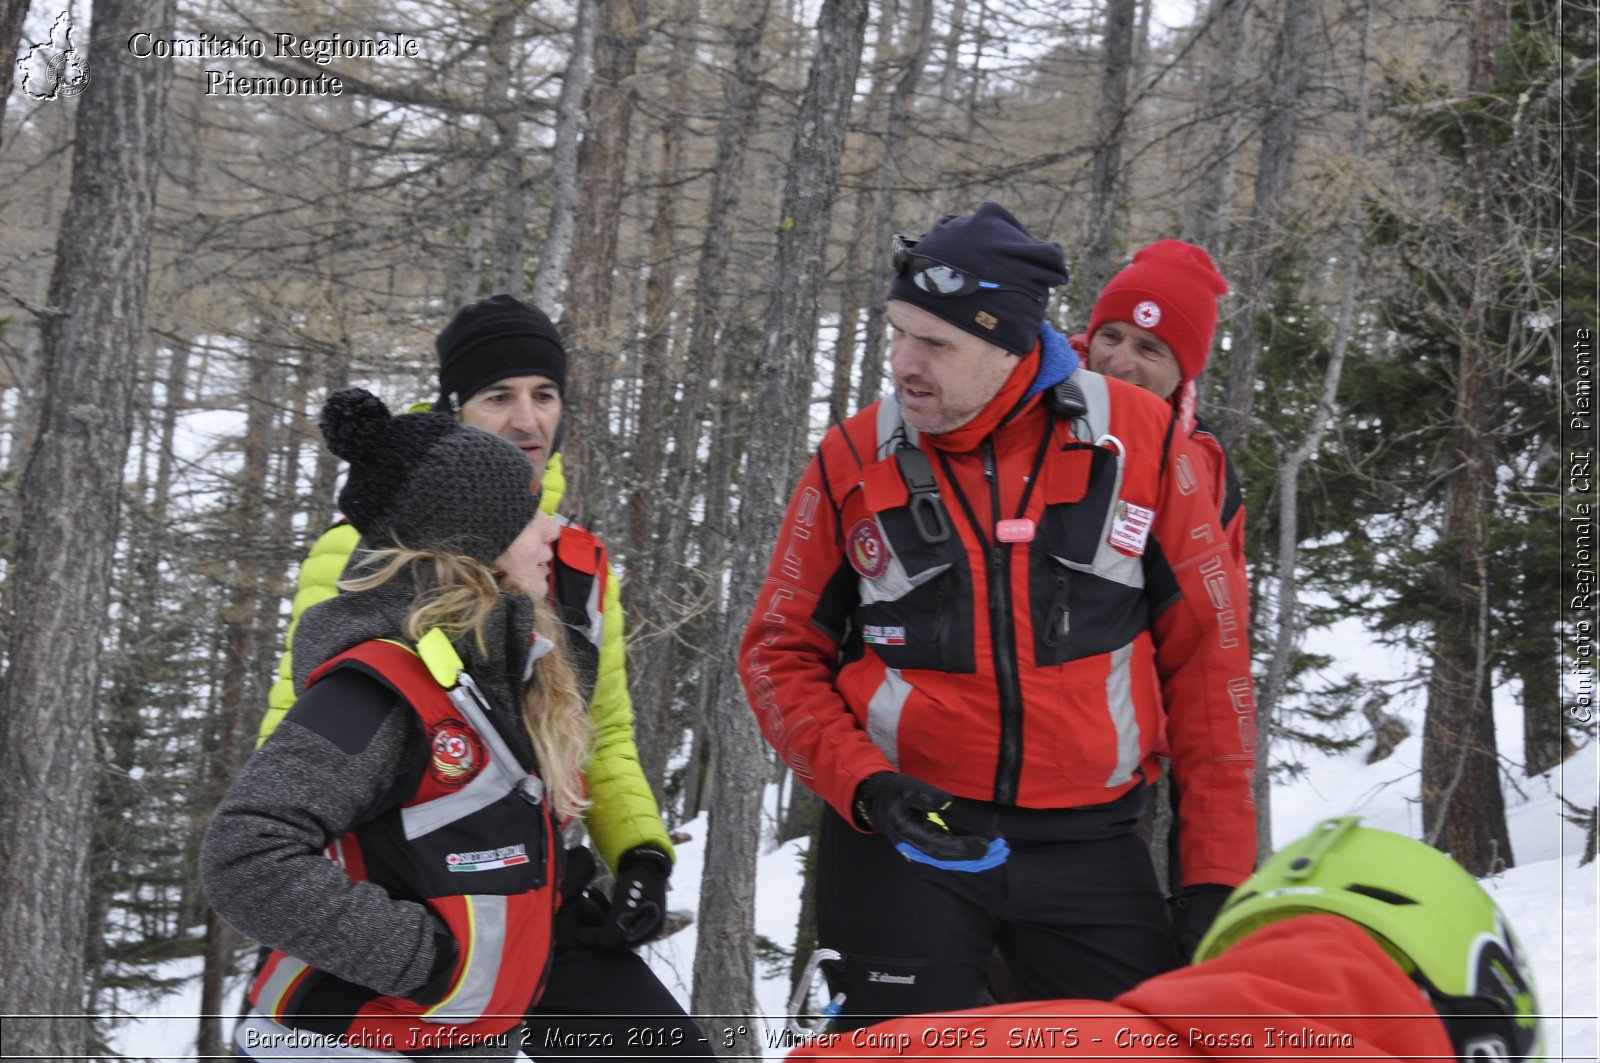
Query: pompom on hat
point(423, 481)
point(492, 339)
point(1011, 269)
point(1170, 289)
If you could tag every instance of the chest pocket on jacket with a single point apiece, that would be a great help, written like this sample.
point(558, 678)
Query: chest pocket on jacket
point(915, 594)
point(1088, 597)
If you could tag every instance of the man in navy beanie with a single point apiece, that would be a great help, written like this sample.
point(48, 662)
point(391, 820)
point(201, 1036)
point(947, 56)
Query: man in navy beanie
point(996, 594)
point(502, 369)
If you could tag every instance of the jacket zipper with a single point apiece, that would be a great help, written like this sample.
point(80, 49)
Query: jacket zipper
point(1002, 634)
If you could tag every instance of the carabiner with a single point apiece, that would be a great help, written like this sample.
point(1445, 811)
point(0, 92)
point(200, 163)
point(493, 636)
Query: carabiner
point(802, 991)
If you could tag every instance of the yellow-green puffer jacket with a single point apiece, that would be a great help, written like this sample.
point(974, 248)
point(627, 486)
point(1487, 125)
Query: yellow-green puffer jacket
point(623, 812)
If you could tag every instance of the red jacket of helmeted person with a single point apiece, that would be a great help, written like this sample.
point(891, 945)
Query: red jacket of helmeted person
point(1312, 987)
point(1084, 599)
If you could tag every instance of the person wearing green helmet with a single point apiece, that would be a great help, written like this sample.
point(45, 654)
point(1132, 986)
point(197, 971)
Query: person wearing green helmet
point(1349, 943)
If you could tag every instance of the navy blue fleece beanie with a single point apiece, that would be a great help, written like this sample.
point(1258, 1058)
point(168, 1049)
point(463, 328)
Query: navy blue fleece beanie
point(992, 245)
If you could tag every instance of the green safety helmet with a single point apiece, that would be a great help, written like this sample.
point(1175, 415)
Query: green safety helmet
point(1425, 911)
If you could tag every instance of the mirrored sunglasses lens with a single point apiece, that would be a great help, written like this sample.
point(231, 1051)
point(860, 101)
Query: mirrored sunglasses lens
point(940, 280)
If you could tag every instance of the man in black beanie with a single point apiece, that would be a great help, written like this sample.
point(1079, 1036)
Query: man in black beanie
point(502, 369)
point(996, 596)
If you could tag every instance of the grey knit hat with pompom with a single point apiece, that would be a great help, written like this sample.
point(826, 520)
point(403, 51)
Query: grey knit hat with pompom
point(424, 481)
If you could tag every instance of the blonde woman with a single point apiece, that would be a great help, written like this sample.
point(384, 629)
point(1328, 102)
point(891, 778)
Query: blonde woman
point(396, 842)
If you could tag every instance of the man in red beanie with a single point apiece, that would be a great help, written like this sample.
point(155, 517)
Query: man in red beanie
point(1152, 326)
point(993, 596)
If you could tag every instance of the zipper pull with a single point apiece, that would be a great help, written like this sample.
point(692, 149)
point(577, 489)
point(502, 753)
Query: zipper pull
point(477, 695)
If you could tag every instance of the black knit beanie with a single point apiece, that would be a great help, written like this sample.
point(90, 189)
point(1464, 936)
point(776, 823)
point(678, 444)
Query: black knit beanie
point(492, 339)
point(423, 481)
point(991, 245)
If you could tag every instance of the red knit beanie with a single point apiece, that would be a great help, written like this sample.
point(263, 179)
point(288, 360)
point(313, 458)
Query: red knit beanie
point(1170, 289)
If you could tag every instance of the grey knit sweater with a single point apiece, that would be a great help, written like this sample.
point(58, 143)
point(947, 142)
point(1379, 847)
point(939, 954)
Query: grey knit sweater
point(348, 751)
point(262, 864)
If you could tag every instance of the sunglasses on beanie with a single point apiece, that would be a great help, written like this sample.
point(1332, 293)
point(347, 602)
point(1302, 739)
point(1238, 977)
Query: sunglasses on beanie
point(941, 278)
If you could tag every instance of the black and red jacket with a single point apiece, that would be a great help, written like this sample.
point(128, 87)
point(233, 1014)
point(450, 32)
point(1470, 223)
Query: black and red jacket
point(475, 843)
point(1084, 607)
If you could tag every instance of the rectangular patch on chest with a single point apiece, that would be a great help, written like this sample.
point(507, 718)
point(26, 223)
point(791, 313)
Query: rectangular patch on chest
point(487, 859)
point(1130, 528)
point(883, 635)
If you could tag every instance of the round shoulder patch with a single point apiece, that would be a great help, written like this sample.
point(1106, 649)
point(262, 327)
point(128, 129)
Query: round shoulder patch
point(457, 753)
point(865, 548)
point(1147, 314)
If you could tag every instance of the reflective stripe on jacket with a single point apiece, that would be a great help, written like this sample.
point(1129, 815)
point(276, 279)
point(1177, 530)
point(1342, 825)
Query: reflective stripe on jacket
point(623, 812)
point(475, 843)
point(1084, 599)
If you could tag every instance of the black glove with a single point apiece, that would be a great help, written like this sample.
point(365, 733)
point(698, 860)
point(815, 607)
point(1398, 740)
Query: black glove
point(580, 915)
point(905, 809)
point(638, 902)
point(1193, 911)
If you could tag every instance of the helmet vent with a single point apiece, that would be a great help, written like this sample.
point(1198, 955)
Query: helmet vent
point(1379, 894)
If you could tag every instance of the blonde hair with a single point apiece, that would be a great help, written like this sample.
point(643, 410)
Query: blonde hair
point(456, 594)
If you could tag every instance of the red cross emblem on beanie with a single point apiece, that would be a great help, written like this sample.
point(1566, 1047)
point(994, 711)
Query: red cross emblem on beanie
point(1147, 314)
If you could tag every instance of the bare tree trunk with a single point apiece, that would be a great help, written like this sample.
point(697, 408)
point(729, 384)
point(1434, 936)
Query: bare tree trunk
point(913, 60)
point(1286, 631)
point(860, 288)
point(705, 365)
point(1207, 221)
point(602, 171)
point(649, 597)
point(508, 270)
point(480, 243)
point(951, 63)
point(1262, 248)
point(557, 248)
point(852, 294)
point(1463, 809)
point(242, 665)
point(808, 805)
point(24, 426)
point(474, 172)
point(1111, 125)
point(1536, 657)
point(975, 86)
point(724, 975)
point(12, 15)
point(70, 505)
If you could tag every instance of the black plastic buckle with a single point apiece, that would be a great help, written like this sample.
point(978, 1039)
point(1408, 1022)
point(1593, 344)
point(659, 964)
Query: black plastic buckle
point(926, 511)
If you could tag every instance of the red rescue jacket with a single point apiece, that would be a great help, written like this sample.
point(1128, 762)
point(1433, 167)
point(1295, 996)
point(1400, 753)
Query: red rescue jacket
point(1083, 602)
point(475, 844)
point(1312, 987)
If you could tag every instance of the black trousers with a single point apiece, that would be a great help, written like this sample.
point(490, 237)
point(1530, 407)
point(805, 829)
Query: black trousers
point(1079, 919)
point(599, 1003)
